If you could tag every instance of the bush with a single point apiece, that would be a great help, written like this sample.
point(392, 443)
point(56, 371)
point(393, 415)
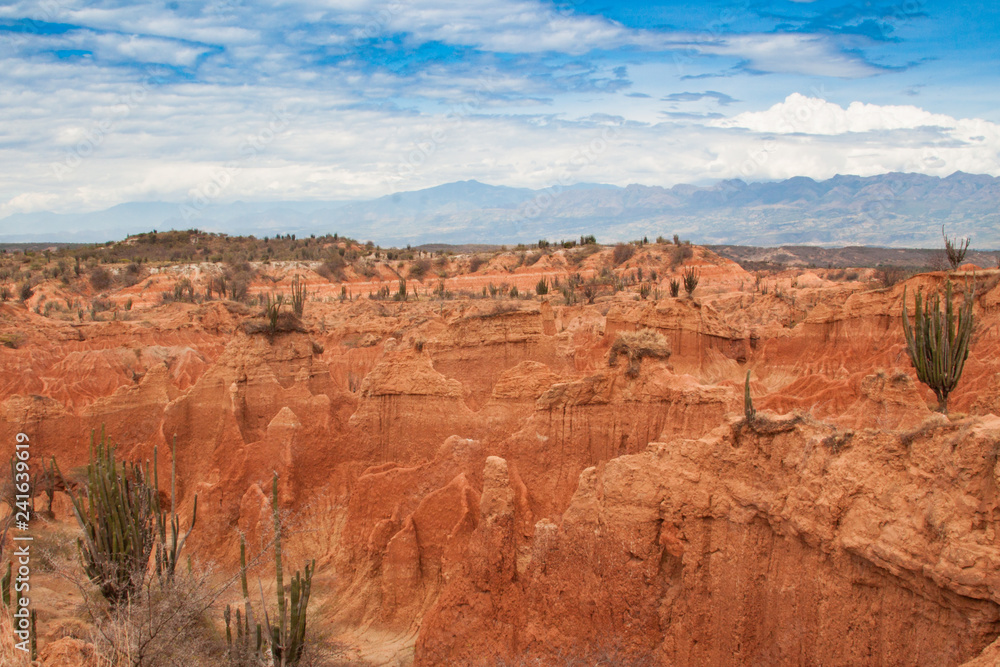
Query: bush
point(890, 275)
point(100, 278)
point(333, 268)
point(680, 253)
point(955, 249)
point(636, 346)
point(25, 291)
point(419, 268)
point(166, 624)
point(622, 253)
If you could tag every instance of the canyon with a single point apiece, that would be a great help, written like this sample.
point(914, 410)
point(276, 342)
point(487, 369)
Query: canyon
point(480, 484)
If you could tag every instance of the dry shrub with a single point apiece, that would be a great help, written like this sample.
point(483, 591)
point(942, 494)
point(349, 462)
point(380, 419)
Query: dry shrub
point(636, 346)
point(169, 624)
point(419, 268)
point(679, 253)
point(287, 321)
point(333, 268)
point(622, 253)
point(100, 278)
point(476, 262)
point(838, 441)
point(890, 275)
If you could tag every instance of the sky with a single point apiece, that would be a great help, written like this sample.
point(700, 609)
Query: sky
point(107, 102)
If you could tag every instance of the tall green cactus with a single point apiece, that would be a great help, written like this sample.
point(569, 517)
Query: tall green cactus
point(245, 644)
point(168, 551)
point(117, 521)
point(298, 295)
point(938, 342)
point(5, 585)
point(288, 636)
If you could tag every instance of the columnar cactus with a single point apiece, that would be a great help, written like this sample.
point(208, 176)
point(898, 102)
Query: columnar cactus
point(118, 523)
point(168, 551)
point(298, 296)
point(938, 342)
point(288, 636)
point(691, 277)
point(249, 639)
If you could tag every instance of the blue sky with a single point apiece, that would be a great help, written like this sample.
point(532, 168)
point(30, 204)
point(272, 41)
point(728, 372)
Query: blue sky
point(107, 102)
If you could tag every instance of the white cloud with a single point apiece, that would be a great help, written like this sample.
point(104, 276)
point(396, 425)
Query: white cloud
point(180, 140)
point(791, 53)
point(362, 130)
point(811, 115)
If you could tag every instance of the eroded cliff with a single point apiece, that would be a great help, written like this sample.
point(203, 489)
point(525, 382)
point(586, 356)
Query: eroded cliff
point(480, 484)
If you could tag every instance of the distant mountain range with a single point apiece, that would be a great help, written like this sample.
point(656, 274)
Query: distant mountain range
point(893, 210)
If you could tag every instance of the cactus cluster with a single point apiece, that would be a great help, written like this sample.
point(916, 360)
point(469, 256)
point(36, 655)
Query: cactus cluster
point(675, 287)
point(955, 249)
point(287, 635)
point(272, 310)
point(168, 550)
point(298, 296)
point(123, 523)
point(938, 342)
point(117, 521)
point(245, 643)
point(691, 277)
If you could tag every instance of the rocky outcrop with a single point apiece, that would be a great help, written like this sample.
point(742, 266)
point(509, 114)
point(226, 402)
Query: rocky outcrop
point(798, 544)
point(480, 484)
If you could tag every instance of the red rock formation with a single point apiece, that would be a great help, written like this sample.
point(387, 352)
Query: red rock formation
point(477, 481)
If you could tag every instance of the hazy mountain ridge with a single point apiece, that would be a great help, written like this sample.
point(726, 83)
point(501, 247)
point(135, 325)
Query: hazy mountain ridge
point(894, 209)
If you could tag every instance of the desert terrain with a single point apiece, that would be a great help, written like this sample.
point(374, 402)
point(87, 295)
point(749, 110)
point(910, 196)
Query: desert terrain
point(537, 456)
